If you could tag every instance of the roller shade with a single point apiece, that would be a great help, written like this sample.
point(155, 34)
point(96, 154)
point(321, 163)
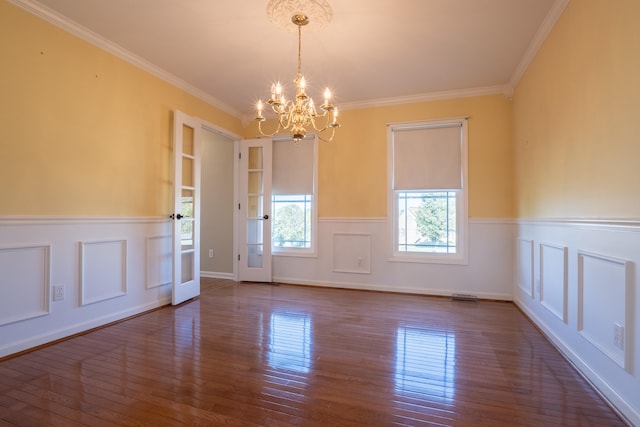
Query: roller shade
point(292, 167)
point(428, 158)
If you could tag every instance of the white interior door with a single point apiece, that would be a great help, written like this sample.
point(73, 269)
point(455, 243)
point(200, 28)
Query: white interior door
point(186, 209)
point(254, 195)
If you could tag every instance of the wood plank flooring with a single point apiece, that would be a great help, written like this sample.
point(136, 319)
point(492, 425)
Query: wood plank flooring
point(256, 354)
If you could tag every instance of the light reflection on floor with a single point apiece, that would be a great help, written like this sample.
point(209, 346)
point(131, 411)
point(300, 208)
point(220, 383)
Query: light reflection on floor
point(425, 362)
point(290, 342)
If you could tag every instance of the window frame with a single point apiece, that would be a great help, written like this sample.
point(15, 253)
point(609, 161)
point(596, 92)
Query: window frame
point(306, 200)
point(312, 251)
point(404, 198)
point(462, 217)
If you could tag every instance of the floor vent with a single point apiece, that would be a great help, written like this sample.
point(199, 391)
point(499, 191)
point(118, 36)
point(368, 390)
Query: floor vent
point(464, 297)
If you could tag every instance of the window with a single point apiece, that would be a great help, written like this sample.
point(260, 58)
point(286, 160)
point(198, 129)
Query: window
point(293, 200)
point(427, 221)
point(291, 226)
point(428, 195)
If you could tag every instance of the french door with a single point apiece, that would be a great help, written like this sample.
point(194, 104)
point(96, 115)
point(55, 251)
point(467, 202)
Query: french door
point(186, 207)
point(254, 195)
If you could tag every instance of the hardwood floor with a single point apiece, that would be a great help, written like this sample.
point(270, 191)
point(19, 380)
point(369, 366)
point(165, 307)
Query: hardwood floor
point(257, 354)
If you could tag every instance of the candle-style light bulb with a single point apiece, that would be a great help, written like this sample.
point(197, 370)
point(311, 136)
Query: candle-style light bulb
point(259, 107)
point(335, 115)
point(303, 82)
point(278, 89)
point(327, 95)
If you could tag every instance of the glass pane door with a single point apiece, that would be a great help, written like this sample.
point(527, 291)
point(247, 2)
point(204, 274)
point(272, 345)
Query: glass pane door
point(186, 224)
point(255, 197)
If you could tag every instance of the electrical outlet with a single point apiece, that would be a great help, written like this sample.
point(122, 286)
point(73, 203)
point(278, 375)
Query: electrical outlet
point(58, 293)
point(618, 336)
point(210, 253)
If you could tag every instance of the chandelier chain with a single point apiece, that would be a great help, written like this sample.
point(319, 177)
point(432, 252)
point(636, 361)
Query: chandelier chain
point(300, 49)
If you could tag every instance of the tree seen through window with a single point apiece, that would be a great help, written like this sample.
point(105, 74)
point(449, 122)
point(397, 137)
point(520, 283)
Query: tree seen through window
point(427, 221)
point(291, 226)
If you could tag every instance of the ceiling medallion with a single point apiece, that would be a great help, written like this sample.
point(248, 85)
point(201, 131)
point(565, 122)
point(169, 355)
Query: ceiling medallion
point(319, 13)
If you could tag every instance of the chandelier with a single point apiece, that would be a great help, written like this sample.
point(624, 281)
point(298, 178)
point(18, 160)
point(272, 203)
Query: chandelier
point(300, 114)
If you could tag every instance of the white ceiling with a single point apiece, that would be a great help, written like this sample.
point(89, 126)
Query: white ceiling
point(373, 52)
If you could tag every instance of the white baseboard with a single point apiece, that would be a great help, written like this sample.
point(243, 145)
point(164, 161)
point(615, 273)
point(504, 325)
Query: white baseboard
point(50, 336)
point(216, 275)
point(386, 288)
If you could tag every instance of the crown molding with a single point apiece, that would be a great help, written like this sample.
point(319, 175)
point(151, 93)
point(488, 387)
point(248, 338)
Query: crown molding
point(97, 40)
point(413, 99)
point(425, 97)
point(537, 41)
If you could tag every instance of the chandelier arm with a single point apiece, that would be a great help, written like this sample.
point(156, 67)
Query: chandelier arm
point(317, 129)
point(326, 124)
point(313, 112)
point(285, 117)
point(333, 132)
point(284, 121)
point(266, 133)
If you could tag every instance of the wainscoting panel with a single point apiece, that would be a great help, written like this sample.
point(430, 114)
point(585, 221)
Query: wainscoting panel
point(103, 270)
point(362, 245)
point(352, 253)
point(25, 282)
point(525, 266)
point(158, 261)
point(588, 305)
point(102, 265)
point(603, 290)
point(553, 279)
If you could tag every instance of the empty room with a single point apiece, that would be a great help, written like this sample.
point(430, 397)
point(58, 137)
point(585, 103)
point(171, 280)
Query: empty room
point(319, 212)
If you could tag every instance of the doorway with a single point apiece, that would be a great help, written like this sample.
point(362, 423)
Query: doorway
point(217, 208)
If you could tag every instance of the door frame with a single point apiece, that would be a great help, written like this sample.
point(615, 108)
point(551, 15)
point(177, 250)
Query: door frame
point(235, 138)
point(236, 153)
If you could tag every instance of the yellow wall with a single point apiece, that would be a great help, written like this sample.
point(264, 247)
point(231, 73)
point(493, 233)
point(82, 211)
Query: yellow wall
point(83, 132)
point(576, 116)
point(353, 168)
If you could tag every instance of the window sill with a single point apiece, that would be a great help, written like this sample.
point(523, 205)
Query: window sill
point(431, 259)
point(301, 253)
